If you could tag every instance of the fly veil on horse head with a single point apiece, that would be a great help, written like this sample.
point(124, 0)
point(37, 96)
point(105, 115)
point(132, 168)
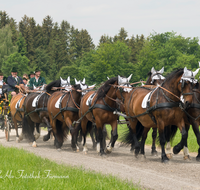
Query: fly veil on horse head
point(163, 108)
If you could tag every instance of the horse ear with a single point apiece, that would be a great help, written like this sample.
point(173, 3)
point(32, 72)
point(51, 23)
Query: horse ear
point(119, 80)
point(153, 70)
point(108, 78)
point(185, 70)
point(75, 81)
point(83, 81)
point(68, 79)
point(161, 70)
point(61, 80)
point(195, 72)
point(129, 78)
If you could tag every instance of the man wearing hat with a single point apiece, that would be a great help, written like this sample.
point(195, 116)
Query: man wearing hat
point(37, 80)
point(13, 82)
point(32, 74)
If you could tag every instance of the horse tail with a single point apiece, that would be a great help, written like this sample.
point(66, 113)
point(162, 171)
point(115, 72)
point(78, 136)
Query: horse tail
point(60, 133)
point(127, 136)
point(170, 132)
point(26, 128)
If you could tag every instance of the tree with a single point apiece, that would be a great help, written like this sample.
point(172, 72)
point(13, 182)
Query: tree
point(4, 19)
point(6, 45)
point(15, 60)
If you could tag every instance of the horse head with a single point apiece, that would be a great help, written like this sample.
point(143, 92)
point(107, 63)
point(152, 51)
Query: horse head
point(155, 77)
point(84, 87)
point(187, 83)
point(123, 86)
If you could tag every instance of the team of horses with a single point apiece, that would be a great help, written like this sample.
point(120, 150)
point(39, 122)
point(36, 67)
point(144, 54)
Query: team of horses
point(163, 103)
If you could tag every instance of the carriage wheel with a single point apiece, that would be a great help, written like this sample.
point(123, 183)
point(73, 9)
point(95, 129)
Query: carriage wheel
point(7, 128)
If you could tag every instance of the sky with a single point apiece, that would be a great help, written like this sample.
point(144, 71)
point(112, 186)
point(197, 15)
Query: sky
point(107, 17)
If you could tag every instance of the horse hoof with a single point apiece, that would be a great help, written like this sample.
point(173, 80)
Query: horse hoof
point(165, 161)
point(169, 155)
point(58, 149)
point(108, 151)
point(17, 139)
point(46, 138)
point(154, 153)
point(187, 157)
point(198, 158)
point(103, 154)
point(34, 144)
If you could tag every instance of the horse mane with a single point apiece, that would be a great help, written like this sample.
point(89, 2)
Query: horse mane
point(103, 90)
point(77, 86)
point(55, 83)
point(149, 77)
point(171, 75)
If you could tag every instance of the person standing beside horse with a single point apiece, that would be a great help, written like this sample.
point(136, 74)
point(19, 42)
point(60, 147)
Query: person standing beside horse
point(37, 80)
point(14, 82)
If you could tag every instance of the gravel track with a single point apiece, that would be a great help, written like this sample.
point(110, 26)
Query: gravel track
point(149, 173)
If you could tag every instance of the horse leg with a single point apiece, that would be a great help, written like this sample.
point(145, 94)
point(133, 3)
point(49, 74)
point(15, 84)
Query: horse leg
point(84, 123)
point(32, 131)
point(92, 133)
point(37, 131)
point(72, 131)
point(100, 140)
point(182, 144)
point(168, 146)
point(47, 136)
point(16, 129)
point(114, 137)
point(195, 126)
point(104, 136)
point(144, 137)
point(153, 148)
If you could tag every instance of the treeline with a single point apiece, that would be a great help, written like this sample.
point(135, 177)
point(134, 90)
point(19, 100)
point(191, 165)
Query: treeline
point(62, 50)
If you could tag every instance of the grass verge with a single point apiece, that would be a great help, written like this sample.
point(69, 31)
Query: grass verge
point(22, 170)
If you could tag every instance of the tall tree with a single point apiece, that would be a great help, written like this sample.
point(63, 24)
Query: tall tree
point(6, 45)
point(4, 19)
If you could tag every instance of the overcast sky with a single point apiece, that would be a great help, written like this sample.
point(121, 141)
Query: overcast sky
point(108, 16)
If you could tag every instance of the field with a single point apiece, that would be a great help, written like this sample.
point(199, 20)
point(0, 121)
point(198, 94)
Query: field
point(23, 170)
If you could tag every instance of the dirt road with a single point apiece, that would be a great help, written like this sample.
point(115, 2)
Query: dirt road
point(149, 173)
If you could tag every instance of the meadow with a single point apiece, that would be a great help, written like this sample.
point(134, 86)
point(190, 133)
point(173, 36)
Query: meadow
point(22, 170)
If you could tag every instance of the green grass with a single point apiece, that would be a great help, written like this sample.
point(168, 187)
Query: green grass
point(192, 141)
point(13, 160)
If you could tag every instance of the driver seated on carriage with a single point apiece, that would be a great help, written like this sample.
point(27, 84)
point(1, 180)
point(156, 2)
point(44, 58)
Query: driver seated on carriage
point(14, 82)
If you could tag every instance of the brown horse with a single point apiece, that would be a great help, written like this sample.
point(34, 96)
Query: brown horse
point(63, 113)
point(154, 78)
point(17, 112)
point(164, 109)
point(17, 109)
point(97, 107)
point(193, 118)
point(35, 106)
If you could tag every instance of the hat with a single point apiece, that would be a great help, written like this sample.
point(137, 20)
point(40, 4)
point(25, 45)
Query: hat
point(37, 69)
point(25, 78)
point(14, 70)
point(31, 73)
point(1, 73)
